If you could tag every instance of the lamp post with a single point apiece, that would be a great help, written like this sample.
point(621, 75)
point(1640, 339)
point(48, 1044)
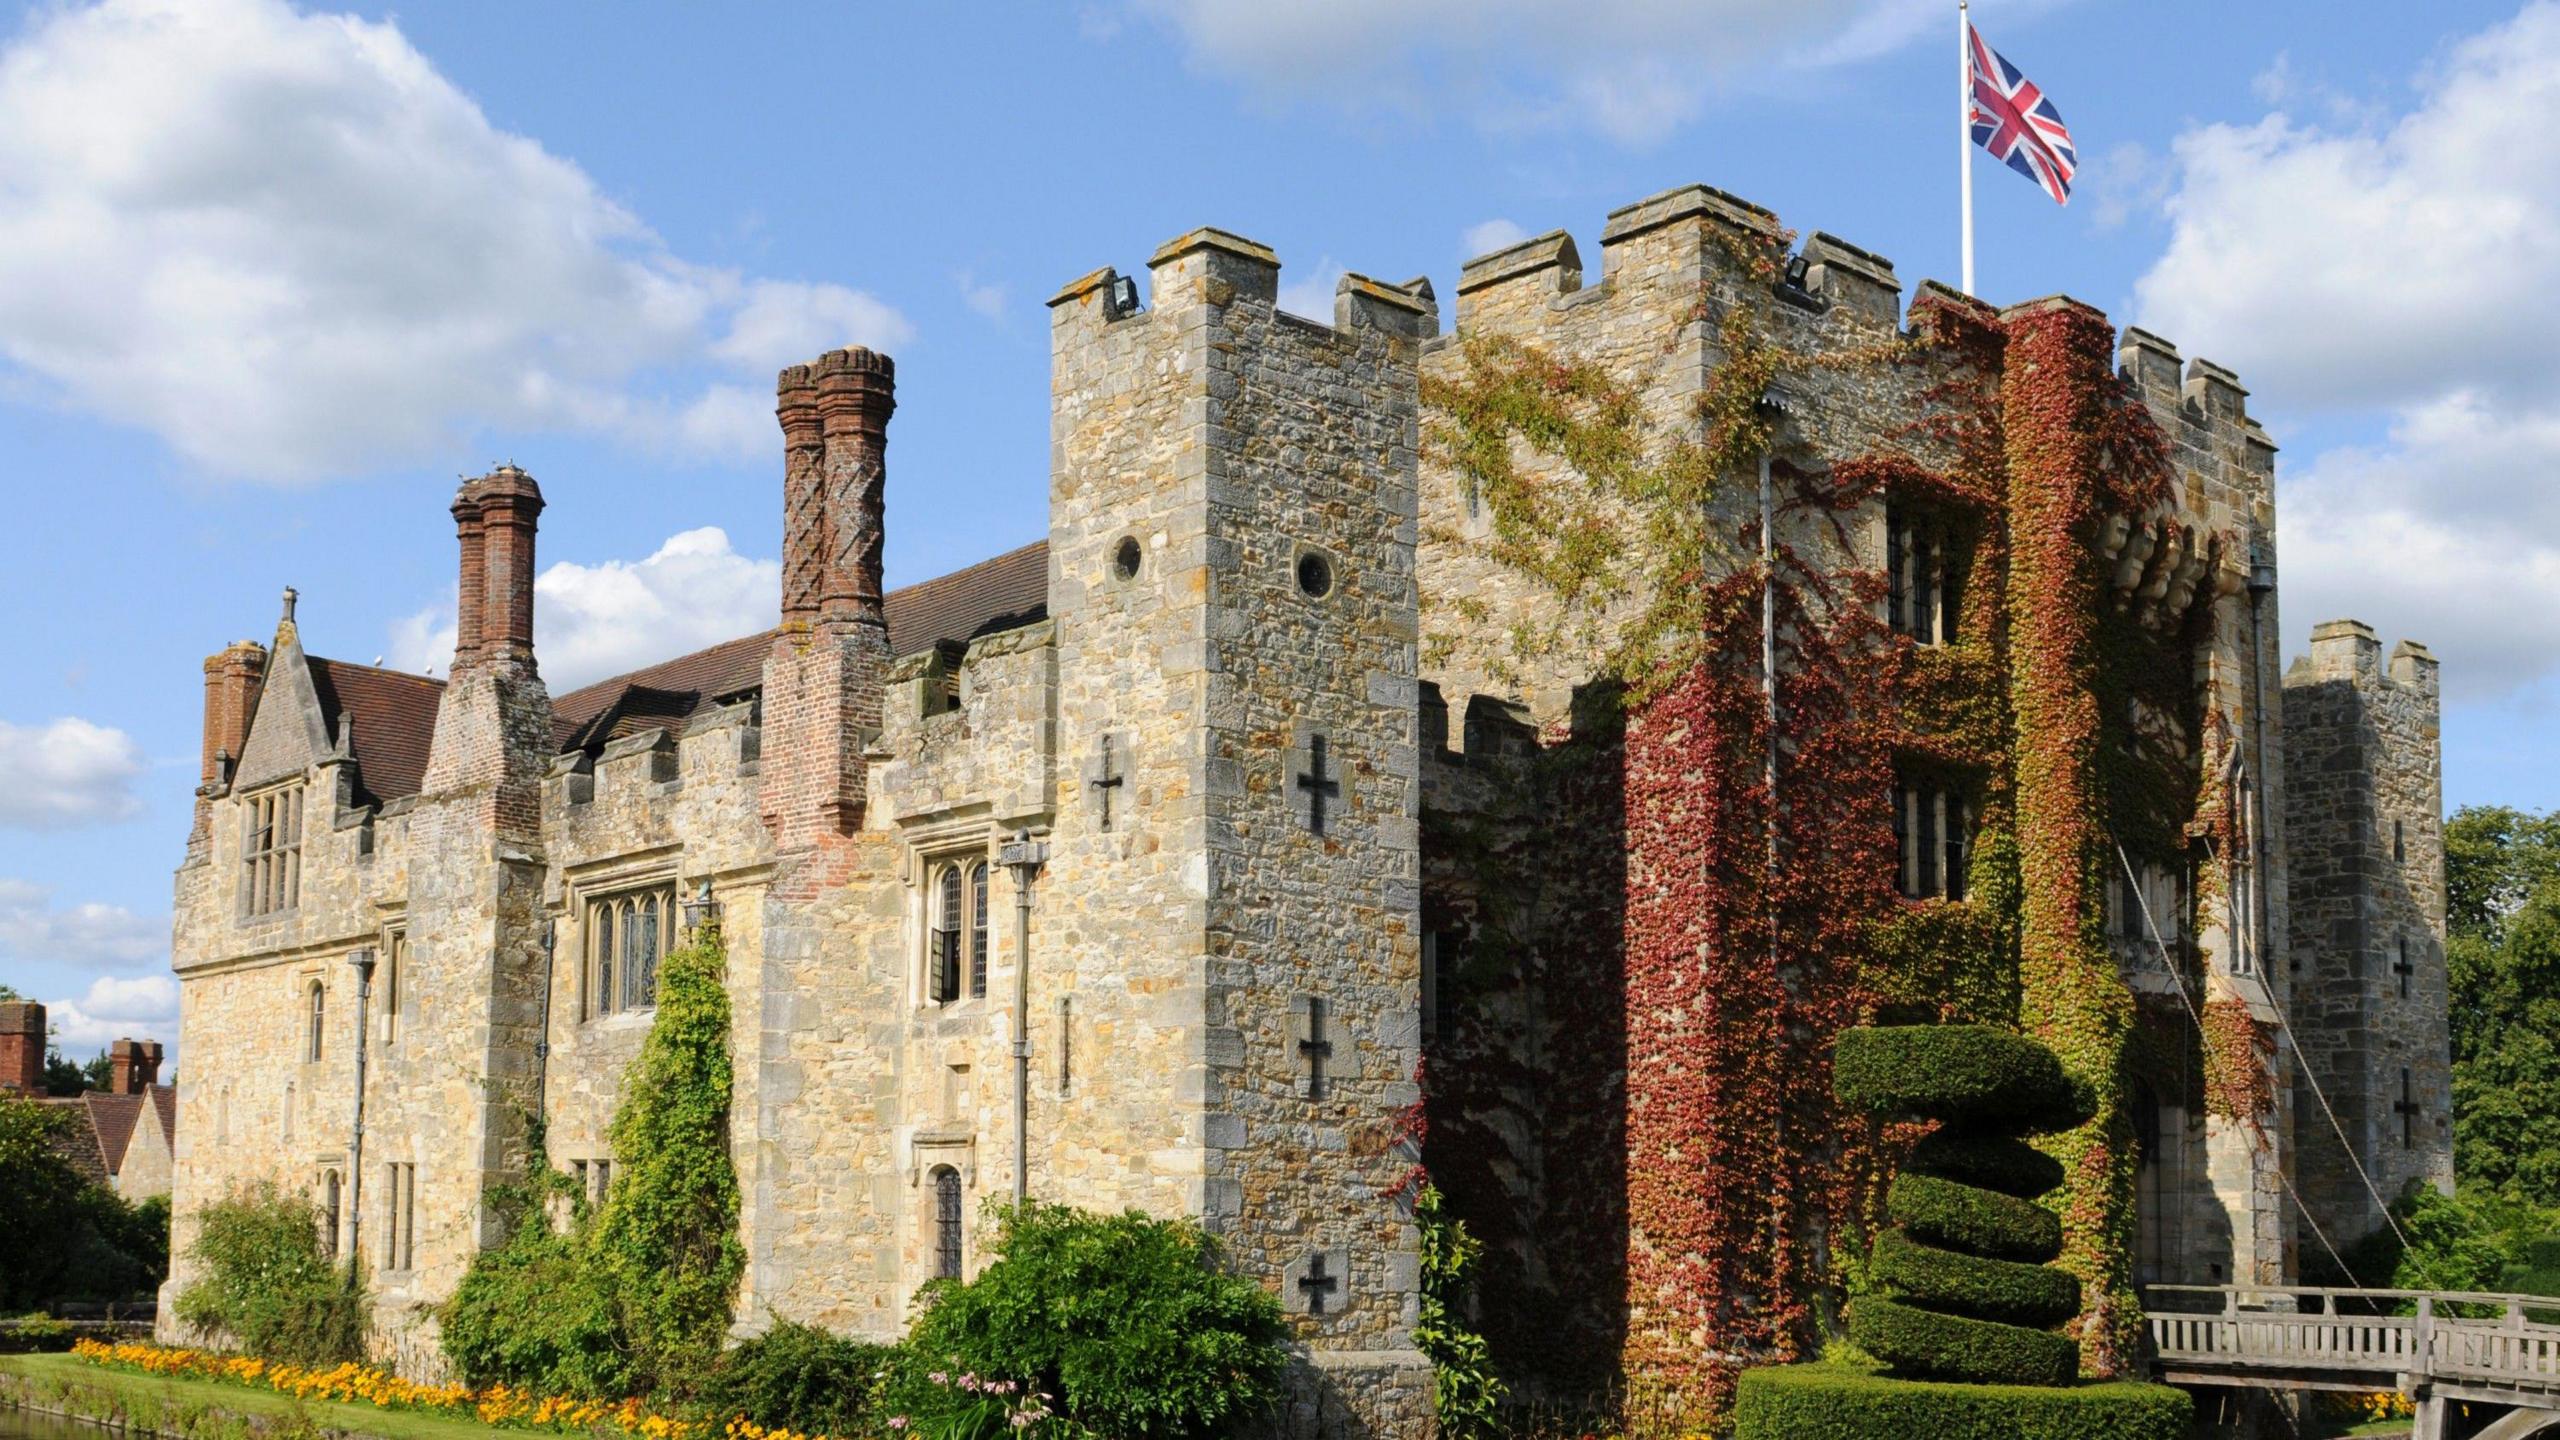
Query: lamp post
point(1023, 856)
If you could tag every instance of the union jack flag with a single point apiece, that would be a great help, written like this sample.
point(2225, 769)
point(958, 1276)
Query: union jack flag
point(2015, 122)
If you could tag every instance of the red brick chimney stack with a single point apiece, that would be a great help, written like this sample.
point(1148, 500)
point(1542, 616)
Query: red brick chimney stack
point(835, 425)
point(510, 503)
point(22, 1047)
point(822, 683)
point(474, 583)
point(133, 1066)
point(232, 678)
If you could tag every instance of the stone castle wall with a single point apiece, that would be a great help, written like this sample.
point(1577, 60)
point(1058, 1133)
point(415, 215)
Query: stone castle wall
point(2366, 809)
point(1233, 735)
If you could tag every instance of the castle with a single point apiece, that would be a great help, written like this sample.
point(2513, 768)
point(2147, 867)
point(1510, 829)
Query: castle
point(1235, 849)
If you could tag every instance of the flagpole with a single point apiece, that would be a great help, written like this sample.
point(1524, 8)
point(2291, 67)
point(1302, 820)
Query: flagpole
point(1964, 129)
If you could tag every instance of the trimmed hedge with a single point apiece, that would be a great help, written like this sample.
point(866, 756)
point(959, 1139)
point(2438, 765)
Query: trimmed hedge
point(1975, 1076)
point(1820, 1402)
point(1978, 1222)
point(1926, 1345)
point(1994, 1162)
point(2004, 1290)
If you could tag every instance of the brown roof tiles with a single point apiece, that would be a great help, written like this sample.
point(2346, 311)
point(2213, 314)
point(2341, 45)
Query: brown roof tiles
point(395, 712)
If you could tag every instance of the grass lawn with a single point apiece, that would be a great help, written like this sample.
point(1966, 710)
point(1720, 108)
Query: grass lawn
point(243, 1399)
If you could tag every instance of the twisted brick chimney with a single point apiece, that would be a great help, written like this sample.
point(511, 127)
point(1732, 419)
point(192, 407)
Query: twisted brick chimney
point(822, 682)
point(493, 724)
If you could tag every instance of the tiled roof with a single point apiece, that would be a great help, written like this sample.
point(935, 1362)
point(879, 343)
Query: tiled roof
point(395, 721)
point(1010, 590)
point(78, 1141)
point(164, 1103)
point(113, 1117)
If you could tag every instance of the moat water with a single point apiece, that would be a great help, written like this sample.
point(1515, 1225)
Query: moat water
point(28, 1425)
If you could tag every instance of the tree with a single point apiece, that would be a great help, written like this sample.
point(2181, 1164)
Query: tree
point(2502, 882)
point(69, 1238)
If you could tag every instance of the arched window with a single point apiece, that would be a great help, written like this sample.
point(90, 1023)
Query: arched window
point(943, 984)
point(627, 936)
point(329, 1213)
point(319, 1018)
point(640, 952)
point(978, 930)
point(946, 1223)
point(600, 985)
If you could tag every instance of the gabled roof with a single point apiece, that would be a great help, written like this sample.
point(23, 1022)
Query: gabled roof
point(103, 1124)
point(395, 721)
point(999, 594)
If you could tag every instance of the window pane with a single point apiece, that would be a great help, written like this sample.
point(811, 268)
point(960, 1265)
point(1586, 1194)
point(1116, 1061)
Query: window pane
point(946, 1223)
point(602, 1001)
point(978, 930)
point(644, 990)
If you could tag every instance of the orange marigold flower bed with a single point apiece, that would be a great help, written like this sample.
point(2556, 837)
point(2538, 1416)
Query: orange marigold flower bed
point(352, 1383)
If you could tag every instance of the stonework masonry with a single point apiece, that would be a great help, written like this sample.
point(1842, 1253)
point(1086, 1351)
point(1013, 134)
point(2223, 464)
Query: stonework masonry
point(2366, 811)
point(1202, 725)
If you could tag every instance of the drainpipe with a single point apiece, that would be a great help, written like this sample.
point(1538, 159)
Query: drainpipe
point(542, 1041)
point(1024, 857)
point(2262, 583)
point(363, 961)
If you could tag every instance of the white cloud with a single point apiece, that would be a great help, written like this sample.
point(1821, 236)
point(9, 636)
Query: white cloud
point(291, 248)
point(1311, 295)
point(1492, 235)
point(987, 298)
point(2121, 182)
point(591, 621)
point(66, 773)
point(2405, 275)
point(1632, 70)
point(142, 1009)
point(92, 936)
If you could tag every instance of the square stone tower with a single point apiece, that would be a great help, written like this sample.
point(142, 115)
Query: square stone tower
point(1233, 889)
point(2364, 814)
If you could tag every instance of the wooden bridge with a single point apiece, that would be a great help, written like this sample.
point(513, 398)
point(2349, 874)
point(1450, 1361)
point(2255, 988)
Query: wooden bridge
point(2482, 1350)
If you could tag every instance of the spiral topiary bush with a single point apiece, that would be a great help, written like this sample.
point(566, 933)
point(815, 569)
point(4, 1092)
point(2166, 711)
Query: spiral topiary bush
point(1962, 1300)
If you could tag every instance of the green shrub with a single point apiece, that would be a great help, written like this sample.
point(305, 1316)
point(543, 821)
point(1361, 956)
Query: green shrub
point(68, 1238)
point(536, 1311)
point(1926, 1345)
point(1976, 1221)
point(1819, 1402)
point(1126, 1321)
point(2003, 1290)
point(265, 1282)
point(668, 1231)
point(1466, 1394)
point(1973, 1076)
point(1994, 1162)
point(797, 1377)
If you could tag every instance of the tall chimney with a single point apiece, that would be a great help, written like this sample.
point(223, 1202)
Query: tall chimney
point(509, 505)
point(822, 682)
point(835, 424)
point(473, 587)
point(22, 1047)
point(233, 676)
point(132, 1066)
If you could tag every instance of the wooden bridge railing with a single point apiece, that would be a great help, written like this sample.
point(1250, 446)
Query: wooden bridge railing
point(2236, 1330)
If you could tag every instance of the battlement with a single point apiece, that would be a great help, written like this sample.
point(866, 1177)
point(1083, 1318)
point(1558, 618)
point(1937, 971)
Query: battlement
point(2350, 651)
point(1212, 269)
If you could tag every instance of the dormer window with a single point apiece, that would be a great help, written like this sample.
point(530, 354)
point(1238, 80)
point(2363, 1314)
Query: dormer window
point(1924, 574)
point(271, 850)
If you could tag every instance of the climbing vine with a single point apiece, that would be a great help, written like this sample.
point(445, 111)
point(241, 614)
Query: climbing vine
point(2077, 450)
point(1738, 925)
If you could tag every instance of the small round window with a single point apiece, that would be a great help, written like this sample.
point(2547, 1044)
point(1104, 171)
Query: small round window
point(1315, 575)
point(1126, 557)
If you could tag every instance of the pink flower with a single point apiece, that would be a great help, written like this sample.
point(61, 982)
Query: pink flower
point(940, 1377)
point(897, 1422)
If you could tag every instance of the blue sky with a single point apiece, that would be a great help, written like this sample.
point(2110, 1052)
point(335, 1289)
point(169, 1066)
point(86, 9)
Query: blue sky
point(271, 278)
